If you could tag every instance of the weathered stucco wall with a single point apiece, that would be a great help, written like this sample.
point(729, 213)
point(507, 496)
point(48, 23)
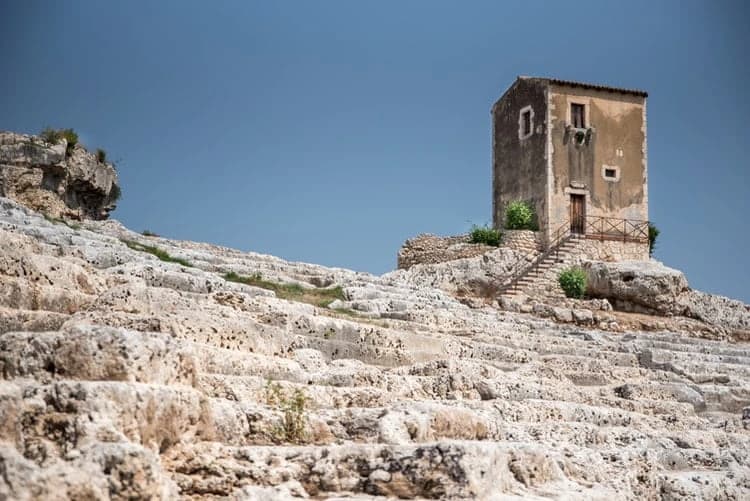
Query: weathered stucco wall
point(618, 142)
point(518, 164)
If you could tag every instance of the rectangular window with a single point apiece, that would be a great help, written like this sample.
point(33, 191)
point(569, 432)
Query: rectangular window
point(526, 122)
point(611, 173)
point(578, 115)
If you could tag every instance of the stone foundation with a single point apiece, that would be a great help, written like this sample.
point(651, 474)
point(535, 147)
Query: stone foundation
point(523, 241)
point(432, 249)
point(610, 251)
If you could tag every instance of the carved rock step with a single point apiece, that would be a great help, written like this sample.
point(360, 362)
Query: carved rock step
point(447, 470)
point(247, 422)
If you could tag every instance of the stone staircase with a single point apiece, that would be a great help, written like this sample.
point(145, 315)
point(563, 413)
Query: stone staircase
point(541, 276)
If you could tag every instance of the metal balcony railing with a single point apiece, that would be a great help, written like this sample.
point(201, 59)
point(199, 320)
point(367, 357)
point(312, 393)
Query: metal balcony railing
point(611, 228)
point(591, 227)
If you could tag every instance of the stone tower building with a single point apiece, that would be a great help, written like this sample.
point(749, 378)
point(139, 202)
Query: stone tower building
point(577, 153)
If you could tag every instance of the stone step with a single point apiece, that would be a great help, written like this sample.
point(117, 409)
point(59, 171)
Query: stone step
point(669, 355)
point(675, 345)
point(445, 470)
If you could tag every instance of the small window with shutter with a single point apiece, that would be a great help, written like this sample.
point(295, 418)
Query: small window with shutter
point(578, 115)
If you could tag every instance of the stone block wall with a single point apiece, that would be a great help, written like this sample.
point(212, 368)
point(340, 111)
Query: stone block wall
point(609, 251)
point(523, 241)
point(432, 249)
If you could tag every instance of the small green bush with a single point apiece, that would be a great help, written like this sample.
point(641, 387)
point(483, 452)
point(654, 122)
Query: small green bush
point(149, 233)
point(573, 282)
point(519, 215)
point(101, 155)
point(653, 233)
point(484, 235)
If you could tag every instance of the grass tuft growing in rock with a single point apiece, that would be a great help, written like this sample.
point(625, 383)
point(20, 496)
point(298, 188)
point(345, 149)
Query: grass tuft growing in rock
point(57, 220)
point(317, 296)
point(159, 253)
point(115, 193)
point(294, 408)
point(54, 136)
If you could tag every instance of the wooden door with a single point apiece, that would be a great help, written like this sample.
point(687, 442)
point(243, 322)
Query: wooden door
point(578, 214)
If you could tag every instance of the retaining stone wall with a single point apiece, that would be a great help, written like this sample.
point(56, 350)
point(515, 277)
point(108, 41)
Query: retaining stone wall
point(523, 241)
point(597, 250)
point(432, 249)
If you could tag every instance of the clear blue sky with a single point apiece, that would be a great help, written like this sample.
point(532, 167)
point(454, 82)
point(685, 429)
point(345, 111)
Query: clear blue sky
point(331, 131)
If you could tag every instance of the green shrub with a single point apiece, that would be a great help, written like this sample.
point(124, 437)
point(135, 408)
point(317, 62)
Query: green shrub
point(484, 235)
point(101, 155)
point(653, 233)
point(149, 233)
point(573, 282)
point(519, 215)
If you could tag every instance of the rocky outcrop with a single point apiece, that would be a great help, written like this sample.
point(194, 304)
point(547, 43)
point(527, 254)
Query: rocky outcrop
point(646, 286)
point(651, 287)
point(716, 310)
point(126, 377)
point(54, 179)
point(478, 276)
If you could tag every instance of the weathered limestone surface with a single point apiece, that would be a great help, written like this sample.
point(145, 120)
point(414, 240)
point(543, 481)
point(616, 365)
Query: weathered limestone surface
point(125, 377)
point(648, 285)
point(44, 177)
point(467, 275)
point(652, 287)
